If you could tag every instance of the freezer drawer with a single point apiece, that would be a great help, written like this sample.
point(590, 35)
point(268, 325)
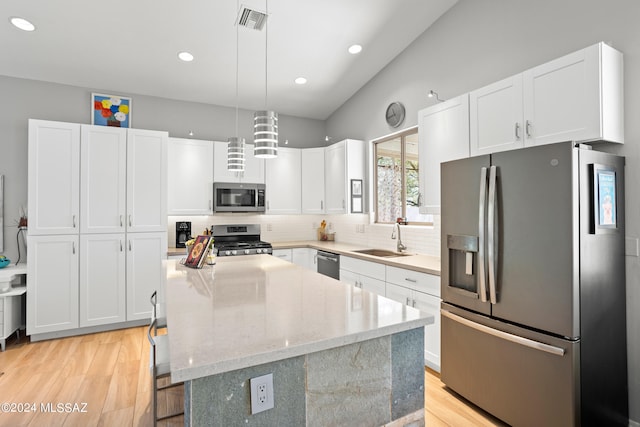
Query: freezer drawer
point(522, 377)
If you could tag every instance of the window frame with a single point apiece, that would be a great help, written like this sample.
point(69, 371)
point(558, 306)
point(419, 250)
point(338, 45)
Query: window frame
point(403, 157)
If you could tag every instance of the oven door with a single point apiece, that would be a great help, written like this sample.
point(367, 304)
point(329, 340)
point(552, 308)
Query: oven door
point(236, 197)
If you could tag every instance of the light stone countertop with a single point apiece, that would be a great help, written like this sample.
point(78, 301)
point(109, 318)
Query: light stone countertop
point(249, 310)
point(417, 262)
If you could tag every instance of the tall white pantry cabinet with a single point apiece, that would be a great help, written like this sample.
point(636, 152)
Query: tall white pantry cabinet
point(97, 232)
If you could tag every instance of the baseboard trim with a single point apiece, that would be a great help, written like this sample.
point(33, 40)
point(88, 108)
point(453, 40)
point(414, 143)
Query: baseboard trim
point(88, 330)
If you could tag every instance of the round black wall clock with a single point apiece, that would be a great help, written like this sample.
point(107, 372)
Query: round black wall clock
point(395, 114)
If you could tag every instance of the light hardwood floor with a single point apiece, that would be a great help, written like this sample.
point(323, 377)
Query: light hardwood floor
point(109, 371)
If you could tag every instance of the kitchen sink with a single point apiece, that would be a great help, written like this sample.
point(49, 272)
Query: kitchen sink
point(383, 253)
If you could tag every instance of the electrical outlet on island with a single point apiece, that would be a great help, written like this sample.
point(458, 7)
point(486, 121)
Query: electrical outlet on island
point(261, 393)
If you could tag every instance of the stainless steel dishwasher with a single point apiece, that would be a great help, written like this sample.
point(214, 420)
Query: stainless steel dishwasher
point(329, 264)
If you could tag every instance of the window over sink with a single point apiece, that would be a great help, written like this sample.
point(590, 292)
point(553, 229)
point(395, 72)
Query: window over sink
point(396, 182)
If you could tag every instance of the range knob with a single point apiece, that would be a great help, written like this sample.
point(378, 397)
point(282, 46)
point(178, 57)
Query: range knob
point(227, 253)
point(246, 251)
point(234, 252)
point(258, 251)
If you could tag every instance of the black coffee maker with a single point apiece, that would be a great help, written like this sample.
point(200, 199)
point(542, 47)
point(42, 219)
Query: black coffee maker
point(183, 233)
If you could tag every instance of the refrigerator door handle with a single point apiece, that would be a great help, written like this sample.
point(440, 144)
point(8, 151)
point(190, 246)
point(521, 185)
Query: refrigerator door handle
point(482, 260)
point(536, 345)
point(492, 238)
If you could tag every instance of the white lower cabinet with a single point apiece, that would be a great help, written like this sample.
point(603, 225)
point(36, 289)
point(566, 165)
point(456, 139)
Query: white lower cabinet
point(88, 280)
point(102, 279)
point(363, 282)
point(52, 284)
point(305, 257)
point(285, 254)
point(421, 291)
point(145, 252)
point(412, 288)
point(363, 274)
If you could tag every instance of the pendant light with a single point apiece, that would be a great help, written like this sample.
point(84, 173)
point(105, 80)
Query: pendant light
point(235, 148)
point(265, 123)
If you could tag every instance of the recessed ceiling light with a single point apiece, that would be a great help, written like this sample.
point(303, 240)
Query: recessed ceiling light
point(354, 49)
point(185, 56)
point(301, 81)
point(22, 23)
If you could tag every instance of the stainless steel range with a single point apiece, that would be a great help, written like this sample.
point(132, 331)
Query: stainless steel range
point(244, 239)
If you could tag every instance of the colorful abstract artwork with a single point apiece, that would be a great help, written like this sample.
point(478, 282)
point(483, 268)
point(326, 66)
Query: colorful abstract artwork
point(110, 110)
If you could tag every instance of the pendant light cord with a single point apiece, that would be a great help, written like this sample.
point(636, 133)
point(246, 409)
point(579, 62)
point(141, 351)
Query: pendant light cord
point(266, 44)
point(237, 63)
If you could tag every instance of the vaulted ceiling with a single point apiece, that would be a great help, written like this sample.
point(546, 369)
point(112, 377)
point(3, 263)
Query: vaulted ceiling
point(131, 47)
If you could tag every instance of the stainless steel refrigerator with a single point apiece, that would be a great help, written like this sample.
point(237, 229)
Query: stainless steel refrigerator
point(533, 285)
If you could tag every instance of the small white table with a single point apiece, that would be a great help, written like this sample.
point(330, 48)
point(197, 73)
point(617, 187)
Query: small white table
point(10, 302)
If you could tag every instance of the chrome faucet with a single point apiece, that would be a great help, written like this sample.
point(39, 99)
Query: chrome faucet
point(400, 246)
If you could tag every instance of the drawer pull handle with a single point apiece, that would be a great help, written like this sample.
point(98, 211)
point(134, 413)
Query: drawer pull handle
point(408, 279)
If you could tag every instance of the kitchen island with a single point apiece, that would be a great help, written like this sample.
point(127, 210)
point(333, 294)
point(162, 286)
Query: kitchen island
point(339, 355)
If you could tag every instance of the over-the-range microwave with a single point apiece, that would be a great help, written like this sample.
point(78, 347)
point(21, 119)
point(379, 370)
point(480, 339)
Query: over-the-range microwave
point(238, 197)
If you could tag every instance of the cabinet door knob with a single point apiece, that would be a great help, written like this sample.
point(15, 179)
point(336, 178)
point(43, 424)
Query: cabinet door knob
point(129, 220)
point(73, 219)
point(121, 221)
point(528, 129)
point(408, 301)
point(73, 248)
point(517, 131)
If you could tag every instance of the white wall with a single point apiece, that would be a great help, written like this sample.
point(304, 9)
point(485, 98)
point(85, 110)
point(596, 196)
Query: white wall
point(24, 99)
point(481, 41)
point(291, 228)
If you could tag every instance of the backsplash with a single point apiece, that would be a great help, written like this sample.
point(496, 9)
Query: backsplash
point(354, 229)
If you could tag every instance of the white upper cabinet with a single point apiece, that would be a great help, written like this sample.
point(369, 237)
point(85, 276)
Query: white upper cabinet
point(103, 179)
point(54, 177)
point(146, 180)
point(190, 177)
point(443, 130)
point(253, 166)
point(496, 117)
point(578, 97)
point(283, 182)
point(313, 180)
point(343, 162)
point(106, 169)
